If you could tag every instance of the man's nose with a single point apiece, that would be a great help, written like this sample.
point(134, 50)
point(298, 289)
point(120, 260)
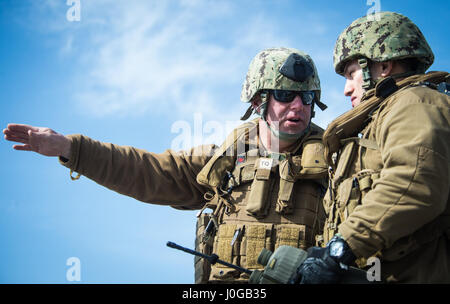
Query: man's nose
point(348, 88)
point(297, 103)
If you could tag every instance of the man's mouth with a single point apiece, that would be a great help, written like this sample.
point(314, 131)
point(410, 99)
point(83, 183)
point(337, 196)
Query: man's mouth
point(293, 122)
point(294, 119)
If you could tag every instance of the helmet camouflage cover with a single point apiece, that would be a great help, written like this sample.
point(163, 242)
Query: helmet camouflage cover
point(382, 37)
point(263, 73)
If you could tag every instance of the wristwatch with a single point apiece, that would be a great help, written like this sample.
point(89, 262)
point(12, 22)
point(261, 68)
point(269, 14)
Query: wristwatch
point(340, 251)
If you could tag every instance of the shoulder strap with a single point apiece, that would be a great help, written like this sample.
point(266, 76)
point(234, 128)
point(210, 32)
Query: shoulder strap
point(350, 123)
point(225, 157)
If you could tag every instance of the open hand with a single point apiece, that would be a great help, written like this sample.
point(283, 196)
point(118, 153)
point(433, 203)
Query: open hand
point(42, 140)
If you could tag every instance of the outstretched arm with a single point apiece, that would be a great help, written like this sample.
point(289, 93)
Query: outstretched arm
point(168, 178)
point(41, 140)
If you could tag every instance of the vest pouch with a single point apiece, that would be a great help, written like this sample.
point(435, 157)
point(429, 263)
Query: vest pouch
point(202, 267)
point(246, 172)
point(348, 196)
point(224, 244)
point(257, 202)
point(345, 160)
point(330, 229)
point(284, 202)
point(291, 235)
point(257, 237)
point(227, 246)
point(352, 190)
point(241, 245)
point(312, 161)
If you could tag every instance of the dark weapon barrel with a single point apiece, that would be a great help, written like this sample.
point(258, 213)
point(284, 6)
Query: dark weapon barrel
point(211, 258)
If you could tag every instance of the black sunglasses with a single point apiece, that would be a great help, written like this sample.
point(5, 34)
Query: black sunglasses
point(307, 97)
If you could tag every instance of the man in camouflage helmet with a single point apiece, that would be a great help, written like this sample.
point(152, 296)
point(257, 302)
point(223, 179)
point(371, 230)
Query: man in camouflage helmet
point(264, 185)
point(388, 194)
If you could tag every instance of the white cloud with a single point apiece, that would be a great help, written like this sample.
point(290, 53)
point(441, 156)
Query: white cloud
point(169, 57)
point(176, 58)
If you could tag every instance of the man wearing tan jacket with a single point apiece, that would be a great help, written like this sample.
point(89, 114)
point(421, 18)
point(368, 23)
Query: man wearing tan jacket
point(388, 194)
point(264, 185)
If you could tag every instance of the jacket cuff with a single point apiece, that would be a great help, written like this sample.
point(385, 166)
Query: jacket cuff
point(72, 162)
point(358, 248)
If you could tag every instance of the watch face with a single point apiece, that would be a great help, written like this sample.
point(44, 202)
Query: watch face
point(336, 249)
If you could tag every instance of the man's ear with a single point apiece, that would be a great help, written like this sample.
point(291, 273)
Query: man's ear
point(386, 68)
point(256, 102)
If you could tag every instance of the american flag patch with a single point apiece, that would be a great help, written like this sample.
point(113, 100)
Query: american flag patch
point(240, 159)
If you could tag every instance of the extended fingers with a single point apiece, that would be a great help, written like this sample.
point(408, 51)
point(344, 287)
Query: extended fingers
point(16, 136)
point(20, 128)
point(15, 133)
point(23, 147)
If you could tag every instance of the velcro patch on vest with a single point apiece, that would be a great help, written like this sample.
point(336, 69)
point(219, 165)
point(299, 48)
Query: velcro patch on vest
point(224, 247)
point(290, 236)
point(256, 241)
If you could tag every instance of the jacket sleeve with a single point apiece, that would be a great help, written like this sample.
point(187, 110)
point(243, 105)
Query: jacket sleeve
point(168, 178)
point(413, 188)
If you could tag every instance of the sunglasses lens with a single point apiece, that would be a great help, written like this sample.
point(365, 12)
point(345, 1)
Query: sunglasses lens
point(284, 95)
point(307, 97)
point(288, 96)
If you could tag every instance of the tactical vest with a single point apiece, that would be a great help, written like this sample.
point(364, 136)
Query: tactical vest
point(259, 200)
point(356, 163)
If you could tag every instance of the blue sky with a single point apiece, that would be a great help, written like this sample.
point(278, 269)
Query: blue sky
point(129, 72)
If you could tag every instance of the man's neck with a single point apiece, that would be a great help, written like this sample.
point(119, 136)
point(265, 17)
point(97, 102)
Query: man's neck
point(272, 143)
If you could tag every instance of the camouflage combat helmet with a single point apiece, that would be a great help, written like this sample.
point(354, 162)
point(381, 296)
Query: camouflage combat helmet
point(280, 69)
point(381, 37)
point(264, 73)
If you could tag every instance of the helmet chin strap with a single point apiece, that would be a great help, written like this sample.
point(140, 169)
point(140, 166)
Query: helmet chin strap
point(367, 78)
point(261, 110)
point(368, 82)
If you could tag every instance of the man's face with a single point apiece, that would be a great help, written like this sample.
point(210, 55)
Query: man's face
point(291, 117)
point(354, 81)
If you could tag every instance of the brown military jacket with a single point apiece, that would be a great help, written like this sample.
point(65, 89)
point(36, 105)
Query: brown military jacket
point(189, 179)
point(392, 201)
point(167, 178)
